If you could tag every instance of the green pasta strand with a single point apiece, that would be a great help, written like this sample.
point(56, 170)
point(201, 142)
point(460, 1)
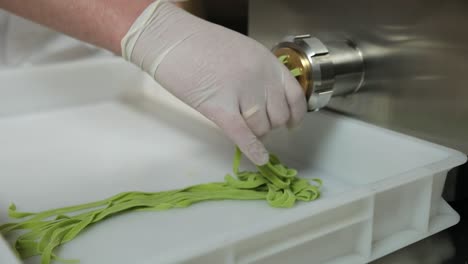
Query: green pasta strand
point(283, 59)
point(43, 232)
point(296, 72)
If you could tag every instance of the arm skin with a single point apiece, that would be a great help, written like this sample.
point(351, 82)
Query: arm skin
point(100, 22)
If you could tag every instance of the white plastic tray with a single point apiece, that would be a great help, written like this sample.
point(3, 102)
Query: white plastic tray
point(79, 132)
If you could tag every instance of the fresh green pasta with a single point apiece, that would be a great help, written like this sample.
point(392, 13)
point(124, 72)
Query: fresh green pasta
point(41, 233)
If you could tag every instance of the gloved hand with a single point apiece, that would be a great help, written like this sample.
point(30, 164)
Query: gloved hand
point(231, 79)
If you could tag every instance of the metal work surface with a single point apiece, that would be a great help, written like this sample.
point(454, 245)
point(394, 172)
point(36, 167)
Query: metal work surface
point(415, 55)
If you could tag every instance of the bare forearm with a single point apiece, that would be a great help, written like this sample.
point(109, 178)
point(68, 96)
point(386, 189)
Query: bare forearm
point(100, 22)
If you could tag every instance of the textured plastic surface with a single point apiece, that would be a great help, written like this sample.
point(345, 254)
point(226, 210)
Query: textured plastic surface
point(382, 190)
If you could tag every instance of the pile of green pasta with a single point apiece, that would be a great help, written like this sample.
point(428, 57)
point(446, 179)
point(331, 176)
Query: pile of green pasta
point(41, 233)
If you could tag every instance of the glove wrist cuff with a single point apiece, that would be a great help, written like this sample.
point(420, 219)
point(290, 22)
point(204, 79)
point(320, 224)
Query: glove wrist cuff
point(158, 30)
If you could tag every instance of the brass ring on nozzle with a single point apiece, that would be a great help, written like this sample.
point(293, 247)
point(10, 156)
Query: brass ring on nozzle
point(296, 60)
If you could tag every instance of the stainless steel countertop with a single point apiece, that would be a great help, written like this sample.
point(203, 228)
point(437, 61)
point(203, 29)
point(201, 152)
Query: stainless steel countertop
point(447, 247)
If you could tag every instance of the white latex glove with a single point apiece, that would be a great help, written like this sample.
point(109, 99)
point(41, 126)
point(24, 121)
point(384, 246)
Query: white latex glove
point(231, 79)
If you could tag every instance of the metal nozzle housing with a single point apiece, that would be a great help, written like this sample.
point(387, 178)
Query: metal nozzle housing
point(328, 69)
